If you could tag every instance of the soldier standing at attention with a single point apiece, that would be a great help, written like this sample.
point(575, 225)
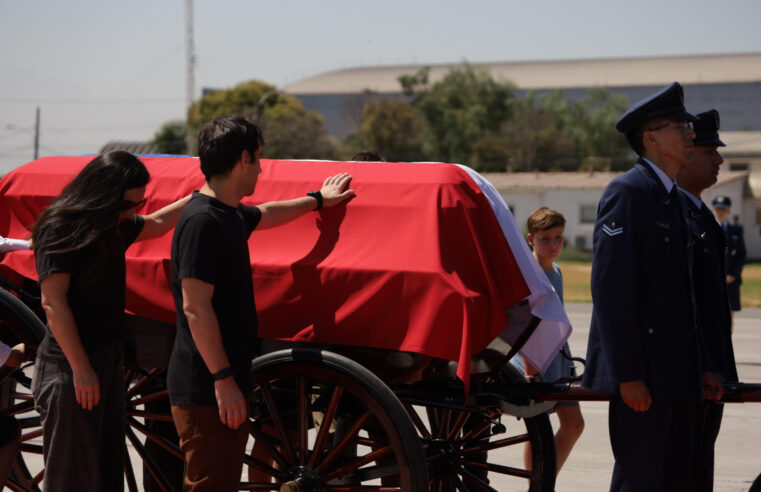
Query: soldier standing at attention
point(700, 172)
point(644, 348)
point(722, 207)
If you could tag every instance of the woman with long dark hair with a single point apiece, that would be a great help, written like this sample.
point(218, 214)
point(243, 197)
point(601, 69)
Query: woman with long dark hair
point(79, 244)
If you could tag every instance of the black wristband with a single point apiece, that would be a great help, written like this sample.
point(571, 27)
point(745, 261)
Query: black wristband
point(317, 196)
point(222, 374)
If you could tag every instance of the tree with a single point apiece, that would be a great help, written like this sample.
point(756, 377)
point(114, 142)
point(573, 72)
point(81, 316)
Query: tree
point(532, 139)
point(394, 128)
point(251, 95)
point(290, 130)
point(466, 106)
point(590, 125)
point(170, 138)
point(601, 140)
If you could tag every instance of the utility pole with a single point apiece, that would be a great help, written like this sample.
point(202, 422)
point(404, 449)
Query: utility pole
point(190, 65)
point(37, 134)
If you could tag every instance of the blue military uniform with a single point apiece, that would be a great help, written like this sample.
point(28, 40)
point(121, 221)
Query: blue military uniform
point(643, 319)
point(714, 318)
point(736, 253)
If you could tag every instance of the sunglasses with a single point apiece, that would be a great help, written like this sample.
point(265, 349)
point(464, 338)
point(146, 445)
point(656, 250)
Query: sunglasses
point(129, 204)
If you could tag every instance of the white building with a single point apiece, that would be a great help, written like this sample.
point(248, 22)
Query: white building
point(576, 195)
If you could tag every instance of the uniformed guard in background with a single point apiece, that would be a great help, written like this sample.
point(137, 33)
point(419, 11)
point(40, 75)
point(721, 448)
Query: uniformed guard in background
point(709, 274)
point(644, 348)
point(722, 207)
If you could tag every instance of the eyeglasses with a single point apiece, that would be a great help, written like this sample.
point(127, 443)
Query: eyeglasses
point(129, 204)
point(684, 126)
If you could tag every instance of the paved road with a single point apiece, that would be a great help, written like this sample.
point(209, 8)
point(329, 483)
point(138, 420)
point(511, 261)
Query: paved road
point(589, 467)
point(738, 449)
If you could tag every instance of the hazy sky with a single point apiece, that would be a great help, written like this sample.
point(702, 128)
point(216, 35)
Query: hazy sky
point(104, 70)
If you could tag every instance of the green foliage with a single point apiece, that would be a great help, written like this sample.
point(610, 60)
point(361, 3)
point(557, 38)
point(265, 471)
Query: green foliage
point(474, 119)
point(290, 131)
point(532, 140)
point(554, 132)
point(170, 138)
point(242, 97)
point(393, 127)
point(589, 127)
point(465, 107)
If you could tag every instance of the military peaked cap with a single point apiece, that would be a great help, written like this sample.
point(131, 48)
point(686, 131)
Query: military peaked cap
point(721, 201)
point(707, 129)
point(667, 104)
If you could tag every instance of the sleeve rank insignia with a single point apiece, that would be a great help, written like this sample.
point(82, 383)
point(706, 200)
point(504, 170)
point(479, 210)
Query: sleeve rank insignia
point(612, 228)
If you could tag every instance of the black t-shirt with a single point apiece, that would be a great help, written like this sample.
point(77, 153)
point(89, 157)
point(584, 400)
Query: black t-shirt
point(210, 244)
point(97, 287)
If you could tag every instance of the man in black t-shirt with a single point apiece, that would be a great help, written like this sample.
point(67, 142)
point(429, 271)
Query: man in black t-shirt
point(209, 380)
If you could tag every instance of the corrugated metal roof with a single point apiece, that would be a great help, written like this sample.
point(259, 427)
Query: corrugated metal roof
point(527, 182)
point(608, 72)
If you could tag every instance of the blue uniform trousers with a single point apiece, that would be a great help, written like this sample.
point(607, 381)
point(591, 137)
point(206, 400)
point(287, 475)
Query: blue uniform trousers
point(660, 441)
point(709, 424)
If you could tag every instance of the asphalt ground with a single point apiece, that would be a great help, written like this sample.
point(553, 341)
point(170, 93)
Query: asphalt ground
point(588, 469)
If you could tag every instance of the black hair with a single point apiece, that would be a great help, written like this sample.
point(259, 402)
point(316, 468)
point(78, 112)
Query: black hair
point(88, 208)
point(368, 156)
point(222, 141)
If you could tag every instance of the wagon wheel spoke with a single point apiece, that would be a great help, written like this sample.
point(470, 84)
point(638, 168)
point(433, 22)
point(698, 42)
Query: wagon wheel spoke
point(458, 443)
point(149, 462)
point(341, 447)
point(263, 467)
point(129, 473)
point(165, 443)
point(322, 433)
point(302, 422)
point(322, 422)
point(276, 416)
point(434, 419)
point(270, 445)
point(144, 380)
point(476, 483)
point(419, 424)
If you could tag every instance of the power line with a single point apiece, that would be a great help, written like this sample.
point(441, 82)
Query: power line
point(81, 100)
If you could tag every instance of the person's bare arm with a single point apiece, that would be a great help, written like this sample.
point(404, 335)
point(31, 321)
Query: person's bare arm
point(162, 220)
point(204, 327)
point(334, 190)
point(61, 320)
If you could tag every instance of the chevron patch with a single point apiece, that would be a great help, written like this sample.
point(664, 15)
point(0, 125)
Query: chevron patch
point(612, 228)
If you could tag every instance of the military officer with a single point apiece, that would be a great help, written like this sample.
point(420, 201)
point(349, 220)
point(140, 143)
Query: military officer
point(722, 207)
point(643, 347)
point(709, 273)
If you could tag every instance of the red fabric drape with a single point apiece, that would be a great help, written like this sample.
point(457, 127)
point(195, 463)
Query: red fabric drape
point(415, 262)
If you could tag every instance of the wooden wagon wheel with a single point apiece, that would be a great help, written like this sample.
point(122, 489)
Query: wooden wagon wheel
point(18, 324)
point(460, 442)
point(324, 422)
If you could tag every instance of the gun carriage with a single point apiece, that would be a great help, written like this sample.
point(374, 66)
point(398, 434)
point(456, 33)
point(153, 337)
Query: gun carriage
point(387, 327)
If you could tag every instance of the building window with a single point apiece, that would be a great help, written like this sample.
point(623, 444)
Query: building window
point(580, 242)
point(758, 216)
point(588, 214)
point(738, 166)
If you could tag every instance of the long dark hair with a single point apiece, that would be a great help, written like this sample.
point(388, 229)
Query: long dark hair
point(87, 210)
